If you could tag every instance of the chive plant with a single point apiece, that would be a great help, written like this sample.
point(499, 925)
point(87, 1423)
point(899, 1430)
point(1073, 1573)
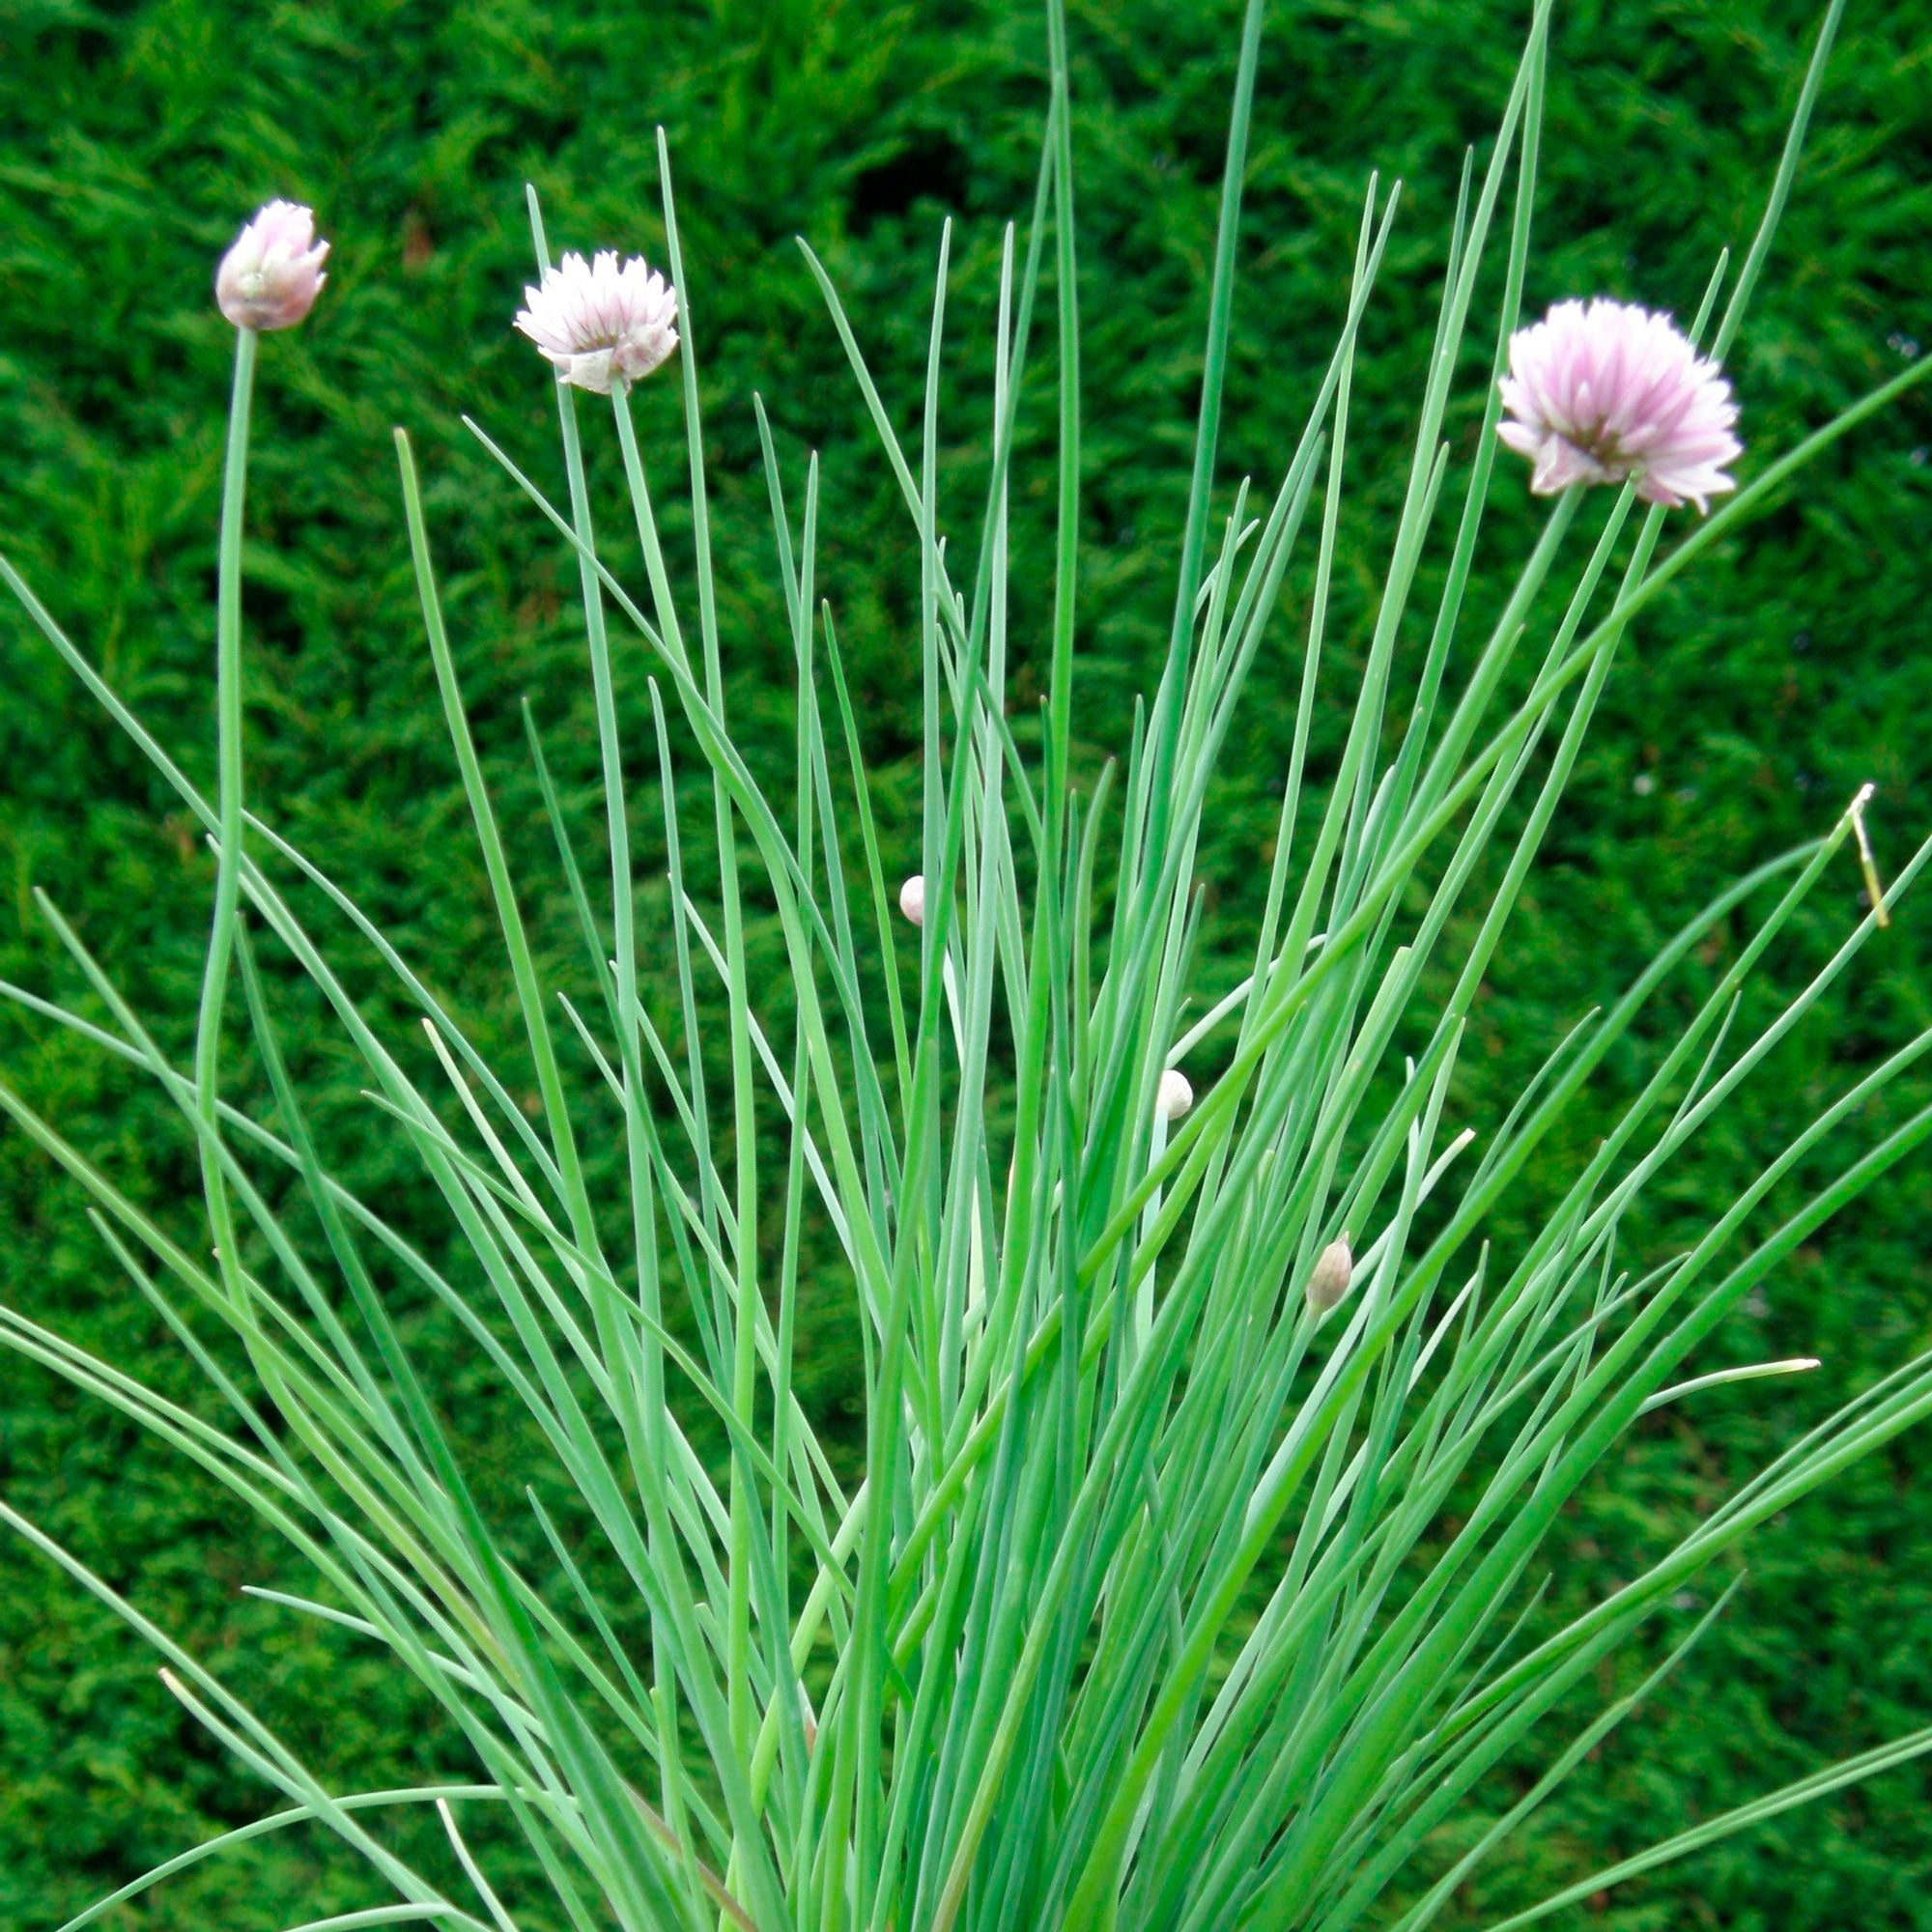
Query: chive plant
point(1146, 1608)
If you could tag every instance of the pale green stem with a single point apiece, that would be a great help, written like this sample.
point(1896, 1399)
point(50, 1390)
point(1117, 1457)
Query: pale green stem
point(228, 738)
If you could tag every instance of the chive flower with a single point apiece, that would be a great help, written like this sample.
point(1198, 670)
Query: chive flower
point(273, 273)
point(912, 899)
point(599, 323)
point(1604, 391)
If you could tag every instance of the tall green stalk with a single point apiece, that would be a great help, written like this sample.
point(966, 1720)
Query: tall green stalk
point(228, 793)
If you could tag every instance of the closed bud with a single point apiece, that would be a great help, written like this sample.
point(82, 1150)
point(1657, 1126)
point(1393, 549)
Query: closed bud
point(272, 275)
point(912, 898)
point(1329, 1281)
point(1173, 1096)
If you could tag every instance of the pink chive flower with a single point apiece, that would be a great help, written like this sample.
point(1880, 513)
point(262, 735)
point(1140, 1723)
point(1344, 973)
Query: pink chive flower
point(272, 275)
point(598, 324)
point(1600, 392)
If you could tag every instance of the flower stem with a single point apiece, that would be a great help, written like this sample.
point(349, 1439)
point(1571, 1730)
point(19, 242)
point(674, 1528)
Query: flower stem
point(228, 736)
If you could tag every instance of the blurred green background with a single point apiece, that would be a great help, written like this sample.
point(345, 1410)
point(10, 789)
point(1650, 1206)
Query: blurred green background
point(1788, 668)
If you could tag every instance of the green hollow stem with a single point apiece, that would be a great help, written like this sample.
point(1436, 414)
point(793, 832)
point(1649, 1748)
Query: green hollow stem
point(228, 739)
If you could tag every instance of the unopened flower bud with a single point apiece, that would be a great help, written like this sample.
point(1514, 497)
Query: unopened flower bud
point(1174, 1096)
point(912, 899)
point(1329, 1281)
point(272, 275)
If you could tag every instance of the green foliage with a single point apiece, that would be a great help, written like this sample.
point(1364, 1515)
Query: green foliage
point(1749, 703)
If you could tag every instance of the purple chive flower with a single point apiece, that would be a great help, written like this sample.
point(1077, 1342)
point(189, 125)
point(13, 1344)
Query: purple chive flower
point(599, 323)
point(1600, 392)
point(272, 275)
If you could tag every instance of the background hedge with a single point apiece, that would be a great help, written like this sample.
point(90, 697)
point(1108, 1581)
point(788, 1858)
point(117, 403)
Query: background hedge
point(1744, 713)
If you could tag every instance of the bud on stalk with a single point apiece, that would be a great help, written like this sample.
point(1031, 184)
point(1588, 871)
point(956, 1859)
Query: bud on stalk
point(1328, 1282)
